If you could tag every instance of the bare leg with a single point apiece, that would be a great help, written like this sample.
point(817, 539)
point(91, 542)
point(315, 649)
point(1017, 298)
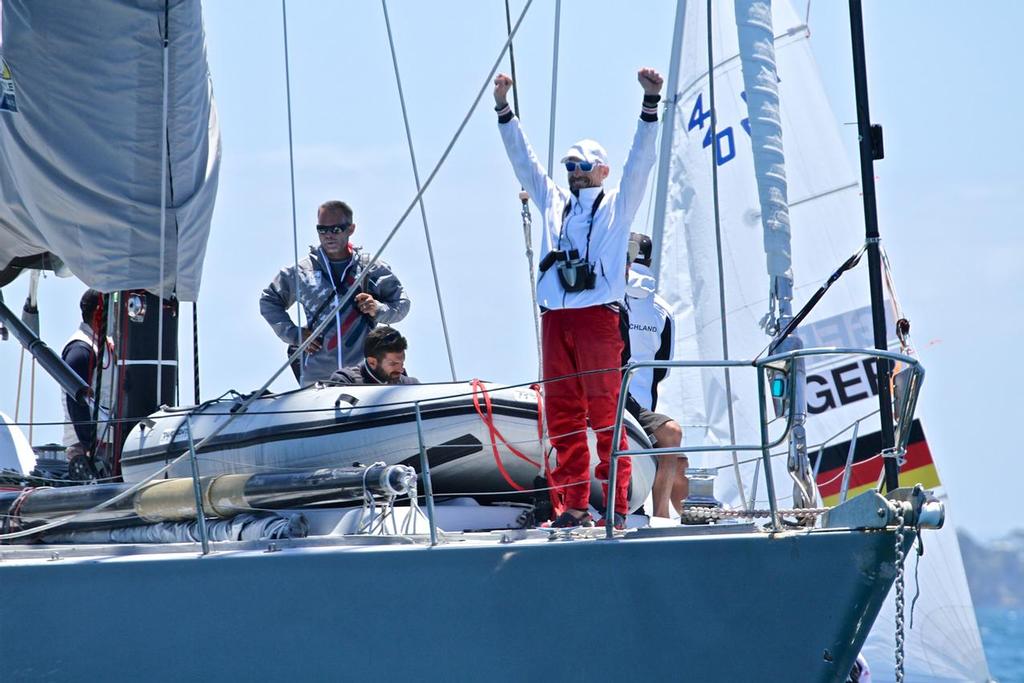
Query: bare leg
point(680, 485)
point(669, 435)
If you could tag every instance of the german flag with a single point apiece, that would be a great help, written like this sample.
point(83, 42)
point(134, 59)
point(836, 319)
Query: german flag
point(867, 465)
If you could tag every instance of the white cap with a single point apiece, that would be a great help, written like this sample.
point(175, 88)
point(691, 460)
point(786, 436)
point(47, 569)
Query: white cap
point(587, 150)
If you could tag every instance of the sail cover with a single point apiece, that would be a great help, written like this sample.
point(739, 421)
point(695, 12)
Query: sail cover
point(81, 116)
point(728, 305)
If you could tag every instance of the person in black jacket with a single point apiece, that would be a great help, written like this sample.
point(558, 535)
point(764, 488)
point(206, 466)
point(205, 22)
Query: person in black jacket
point(87, 352)
point(384, 362)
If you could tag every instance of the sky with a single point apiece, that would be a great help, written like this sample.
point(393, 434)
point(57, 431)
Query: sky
point(941, 83)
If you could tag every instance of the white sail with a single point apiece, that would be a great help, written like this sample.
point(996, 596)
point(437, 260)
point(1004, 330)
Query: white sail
point(81, 135)
point(826, 219)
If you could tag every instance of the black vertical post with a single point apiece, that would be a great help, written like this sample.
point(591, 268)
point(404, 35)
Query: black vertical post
point(869, 151)
point(140, 352)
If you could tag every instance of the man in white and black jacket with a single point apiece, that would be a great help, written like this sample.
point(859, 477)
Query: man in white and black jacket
point(650, 335)
point(579, 290)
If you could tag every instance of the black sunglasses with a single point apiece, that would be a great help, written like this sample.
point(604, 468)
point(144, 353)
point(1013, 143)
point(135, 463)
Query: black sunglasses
point(585, 166)
point(340, 227)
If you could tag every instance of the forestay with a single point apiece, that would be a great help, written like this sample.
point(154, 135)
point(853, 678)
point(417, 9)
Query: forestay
point(76, 76)
point(826, 218)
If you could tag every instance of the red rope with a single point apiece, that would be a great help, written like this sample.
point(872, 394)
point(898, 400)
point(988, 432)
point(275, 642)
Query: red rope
point(546, 455)
point(13, 521)
point(540, 412)
point(488, 419)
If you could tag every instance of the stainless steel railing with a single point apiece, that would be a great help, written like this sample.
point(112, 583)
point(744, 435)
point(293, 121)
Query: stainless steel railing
point(907, 402)
point(906, 399)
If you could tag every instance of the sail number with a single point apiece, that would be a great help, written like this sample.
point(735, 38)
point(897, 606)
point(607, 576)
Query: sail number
point(725, 142)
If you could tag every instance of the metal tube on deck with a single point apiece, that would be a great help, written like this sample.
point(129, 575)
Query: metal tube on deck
point(222, 496)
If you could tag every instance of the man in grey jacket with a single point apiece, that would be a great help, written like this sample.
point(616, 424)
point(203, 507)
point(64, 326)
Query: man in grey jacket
point(324, 278)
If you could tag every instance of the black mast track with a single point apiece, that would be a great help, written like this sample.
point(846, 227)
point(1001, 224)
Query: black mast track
point(868, 153)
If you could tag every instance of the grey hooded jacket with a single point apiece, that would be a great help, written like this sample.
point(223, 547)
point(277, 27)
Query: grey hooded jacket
point(316, 295)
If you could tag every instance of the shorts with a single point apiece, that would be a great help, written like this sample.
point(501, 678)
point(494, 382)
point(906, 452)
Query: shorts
point(648, 419)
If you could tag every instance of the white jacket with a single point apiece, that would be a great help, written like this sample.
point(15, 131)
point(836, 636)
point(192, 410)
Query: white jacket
point(651, 334)
point(612, 222)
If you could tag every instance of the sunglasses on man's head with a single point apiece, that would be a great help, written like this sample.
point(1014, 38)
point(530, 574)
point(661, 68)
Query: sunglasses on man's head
point(585, 166)
point(335, 229)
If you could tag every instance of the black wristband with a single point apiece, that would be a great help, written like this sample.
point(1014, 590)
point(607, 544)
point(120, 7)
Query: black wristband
point(649, 109)
point(505, 113)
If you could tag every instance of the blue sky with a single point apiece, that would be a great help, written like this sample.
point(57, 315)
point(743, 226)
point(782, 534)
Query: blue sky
point(942, 84)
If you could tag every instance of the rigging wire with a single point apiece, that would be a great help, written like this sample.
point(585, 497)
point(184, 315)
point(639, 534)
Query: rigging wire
point(512, 59)
point(164, 141)
point(17, 396)
point(416, 177)
point(524, 197)
point(100, 320)
point(718, 251)
point(291, 173)
point(195, 350)
point(32, 399)
point(121, 320)
point(554, 86)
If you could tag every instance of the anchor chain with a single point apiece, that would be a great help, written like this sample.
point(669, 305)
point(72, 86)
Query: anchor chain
point(709, 513)
point(900, 557)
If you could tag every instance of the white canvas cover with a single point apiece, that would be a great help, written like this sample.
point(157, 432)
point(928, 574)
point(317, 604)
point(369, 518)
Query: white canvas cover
point(80, 140)
point(826, 218)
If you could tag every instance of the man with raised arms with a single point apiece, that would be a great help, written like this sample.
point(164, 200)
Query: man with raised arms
point(579, 289)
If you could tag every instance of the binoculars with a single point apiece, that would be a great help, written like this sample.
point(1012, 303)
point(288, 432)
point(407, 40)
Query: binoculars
point(575, 274)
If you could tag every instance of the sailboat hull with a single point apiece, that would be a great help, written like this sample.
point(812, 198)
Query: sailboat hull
point(341, 426)
point(792, 607)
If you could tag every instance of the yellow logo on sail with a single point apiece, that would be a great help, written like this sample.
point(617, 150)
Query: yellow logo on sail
point(7, 101)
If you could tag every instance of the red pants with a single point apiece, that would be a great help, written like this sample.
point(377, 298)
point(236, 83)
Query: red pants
point(576, 340)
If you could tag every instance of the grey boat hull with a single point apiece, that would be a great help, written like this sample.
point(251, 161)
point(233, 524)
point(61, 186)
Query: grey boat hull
point(794, 606)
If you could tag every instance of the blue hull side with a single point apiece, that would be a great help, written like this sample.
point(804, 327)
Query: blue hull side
point(738, 607)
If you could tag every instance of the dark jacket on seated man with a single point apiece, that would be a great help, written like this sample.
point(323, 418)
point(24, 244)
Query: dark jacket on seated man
point(383, 362)
point(360, 374)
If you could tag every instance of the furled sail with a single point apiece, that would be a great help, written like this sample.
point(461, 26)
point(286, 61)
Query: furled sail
point(728, 304)
point(81, 136)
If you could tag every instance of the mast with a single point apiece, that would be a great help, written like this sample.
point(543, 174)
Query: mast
point(871, 149)
point(668, 127)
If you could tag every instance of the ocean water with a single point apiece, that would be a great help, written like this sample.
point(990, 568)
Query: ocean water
point(1002, 633)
